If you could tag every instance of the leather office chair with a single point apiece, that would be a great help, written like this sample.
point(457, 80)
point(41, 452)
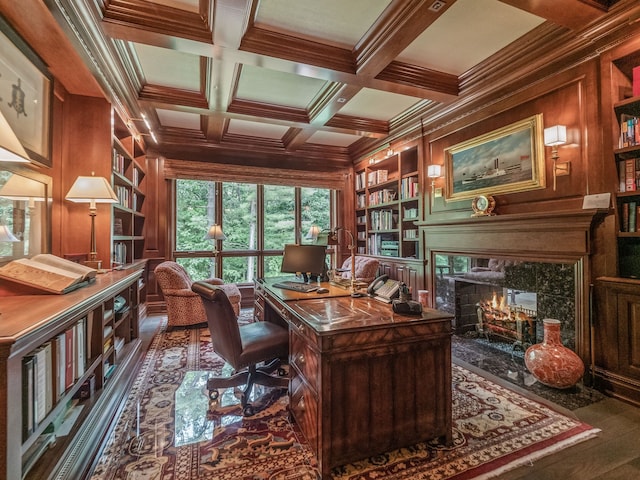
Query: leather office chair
point(184, 307)
point(243, 347)
point(366, 269)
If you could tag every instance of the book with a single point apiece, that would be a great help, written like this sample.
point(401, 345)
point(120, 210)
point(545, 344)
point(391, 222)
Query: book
point(48, 273)
point(27, 396)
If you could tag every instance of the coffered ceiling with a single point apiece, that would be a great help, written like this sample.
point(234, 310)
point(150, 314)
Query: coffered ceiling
point(312, 83)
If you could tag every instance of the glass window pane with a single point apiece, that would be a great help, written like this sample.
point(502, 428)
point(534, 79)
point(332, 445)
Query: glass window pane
point(279, 216)
point(195, 212)
point(239, 269)
point(239, 204)
point(198, 268)
point(316, 209)
point(272, 266)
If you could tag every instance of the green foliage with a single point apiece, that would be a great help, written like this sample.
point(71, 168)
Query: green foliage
point(195, 213)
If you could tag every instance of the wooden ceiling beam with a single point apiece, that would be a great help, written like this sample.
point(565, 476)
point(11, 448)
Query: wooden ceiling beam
point(573, 14)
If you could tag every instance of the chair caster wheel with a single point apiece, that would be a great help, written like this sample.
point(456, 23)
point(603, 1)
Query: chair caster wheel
point(213, 395)
point(248, 411)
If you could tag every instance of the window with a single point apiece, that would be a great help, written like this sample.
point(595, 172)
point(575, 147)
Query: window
point(279, 216)
point(285, 214)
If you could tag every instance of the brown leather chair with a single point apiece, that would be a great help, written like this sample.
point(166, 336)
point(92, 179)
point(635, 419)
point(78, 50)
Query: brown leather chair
point(366, 269)
point(243, 347)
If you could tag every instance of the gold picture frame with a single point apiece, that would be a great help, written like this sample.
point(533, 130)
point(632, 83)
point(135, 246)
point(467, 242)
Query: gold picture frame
point(507, 160)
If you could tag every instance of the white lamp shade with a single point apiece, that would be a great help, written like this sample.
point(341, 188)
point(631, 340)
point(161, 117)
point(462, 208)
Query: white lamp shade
point(434, 171)
point(6, 235)
point(91, 189)
point(11, 150)
point(21, 188)
point(215, 233)
point(556, 135)
point(313, 232)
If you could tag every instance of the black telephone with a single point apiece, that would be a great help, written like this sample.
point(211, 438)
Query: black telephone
point(384, 289)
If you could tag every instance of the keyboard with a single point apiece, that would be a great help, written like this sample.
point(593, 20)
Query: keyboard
point(296, 286)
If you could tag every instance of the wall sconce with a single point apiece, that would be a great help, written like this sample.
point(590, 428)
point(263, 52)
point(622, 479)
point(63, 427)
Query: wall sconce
point(11, 150)
point(433, 172)
point(92, 190)
point(215, 233)
point(554, 136)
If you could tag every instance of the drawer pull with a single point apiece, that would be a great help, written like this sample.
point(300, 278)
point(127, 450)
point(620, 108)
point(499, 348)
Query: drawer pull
point(301, 405)
point(301, 359)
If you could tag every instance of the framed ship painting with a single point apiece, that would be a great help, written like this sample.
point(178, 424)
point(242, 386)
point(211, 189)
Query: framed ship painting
point(507, 160)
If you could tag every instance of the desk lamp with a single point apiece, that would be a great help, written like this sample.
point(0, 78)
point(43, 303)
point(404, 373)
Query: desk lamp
point(333, 240)
point(92, 190)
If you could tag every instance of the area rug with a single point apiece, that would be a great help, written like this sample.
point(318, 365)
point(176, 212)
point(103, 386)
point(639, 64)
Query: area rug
point(167, 430)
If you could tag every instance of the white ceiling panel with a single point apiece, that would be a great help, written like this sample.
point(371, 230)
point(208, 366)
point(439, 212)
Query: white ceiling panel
point(169, 67)
point(378, 105)
point(467, 33)
point(331, 138)
point(256, 129)
point(277, 88)
point(334, 22)
point(170, 118)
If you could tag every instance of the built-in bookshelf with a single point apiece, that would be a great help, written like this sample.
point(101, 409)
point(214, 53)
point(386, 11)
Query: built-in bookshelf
point(387, 192)
point(69, 358)
point(128, 172)
point(627, 158)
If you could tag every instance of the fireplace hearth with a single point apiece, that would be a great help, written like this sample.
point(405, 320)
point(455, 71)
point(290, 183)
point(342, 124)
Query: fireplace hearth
point(509, 321)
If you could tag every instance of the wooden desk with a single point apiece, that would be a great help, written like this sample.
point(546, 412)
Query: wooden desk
point(364, 380)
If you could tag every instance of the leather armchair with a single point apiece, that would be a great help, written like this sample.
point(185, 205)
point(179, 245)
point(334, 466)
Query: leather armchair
point(184, 307)
point(243, 347)
point(366, 268)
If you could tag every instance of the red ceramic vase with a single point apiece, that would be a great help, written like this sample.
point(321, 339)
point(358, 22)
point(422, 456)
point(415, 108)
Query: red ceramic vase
point(552, 363)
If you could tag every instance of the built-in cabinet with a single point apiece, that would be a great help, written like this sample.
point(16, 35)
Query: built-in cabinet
point(617, 341)
point(128, 173)
point(387, 192)
point(411, 272)
point(67, 362)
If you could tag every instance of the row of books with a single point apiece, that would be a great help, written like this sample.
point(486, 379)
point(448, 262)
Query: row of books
point(50, 370)
point(629, 131)
point(376, 177)
point(409, 213)
point(126, 198)
point(361, 200)
point(119, 253)
point(411, 234)
point(382, 196)
point(409, 187)
point(118, 162)
point(630, 217)
point(382, 219)
point(374, 242)
point(629, 175)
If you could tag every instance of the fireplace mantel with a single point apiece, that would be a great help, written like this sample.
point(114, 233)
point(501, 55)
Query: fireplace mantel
point(555, 237)
point(558, 236)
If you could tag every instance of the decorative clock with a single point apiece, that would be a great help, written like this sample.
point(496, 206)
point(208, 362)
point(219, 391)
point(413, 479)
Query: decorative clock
point(483, 205)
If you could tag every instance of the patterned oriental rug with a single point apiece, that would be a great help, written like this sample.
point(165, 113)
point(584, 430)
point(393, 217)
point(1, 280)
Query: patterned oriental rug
point(166, 430)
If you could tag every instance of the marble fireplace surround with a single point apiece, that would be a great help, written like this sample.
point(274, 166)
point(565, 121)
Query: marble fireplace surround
point(556, 237)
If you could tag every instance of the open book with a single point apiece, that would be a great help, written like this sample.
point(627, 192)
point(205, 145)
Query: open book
point(48, 272)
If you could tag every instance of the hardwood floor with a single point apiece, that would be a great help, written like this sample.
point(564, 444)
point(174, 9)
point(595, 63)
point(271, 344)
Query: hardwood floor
point(613, 455)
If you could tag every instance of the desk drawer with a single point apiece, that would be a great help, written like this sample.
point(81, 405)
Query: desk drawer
point(304, 408)
point(305, 360)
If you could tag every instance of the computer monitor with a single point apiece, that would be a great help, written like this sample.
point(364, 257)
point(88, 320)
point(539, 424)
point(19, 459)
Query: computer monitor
point(304, 259)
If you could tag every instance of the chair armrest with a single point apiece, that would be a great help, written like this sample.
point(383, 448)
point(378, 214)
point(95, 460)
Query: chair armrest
point(214, 281)
point(179, 292)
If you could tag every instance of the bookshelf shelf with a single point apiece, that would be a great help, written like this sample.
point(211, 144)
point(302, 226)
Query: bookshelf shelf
point(71, 330)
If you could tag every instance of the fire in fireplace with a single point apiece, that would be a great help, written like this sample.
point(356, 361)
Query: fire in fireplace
point(510, 317)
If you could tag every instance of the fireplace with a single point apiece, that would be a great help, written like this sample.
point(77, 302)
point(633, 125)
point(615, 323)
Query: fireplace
point(546, 254)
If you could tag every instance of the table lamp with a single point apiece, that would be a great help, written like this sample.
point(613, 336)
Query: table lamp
point(92, 190)
point(215, 233)
point(11, 150)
